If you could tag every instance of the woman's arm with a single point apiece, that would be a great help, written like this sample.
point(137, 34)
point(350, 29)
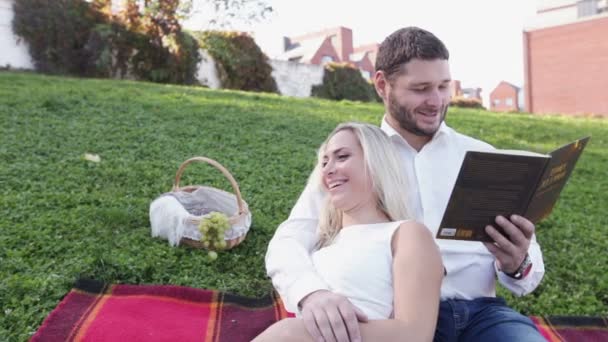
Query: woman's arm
point(417, 275)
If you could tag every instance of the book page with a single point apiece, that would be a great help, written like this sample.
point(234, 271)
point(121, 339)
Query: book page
point(522, 153)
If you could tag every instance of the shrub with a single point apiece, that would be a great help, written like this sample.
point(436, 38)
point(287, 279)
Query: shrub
point(81, 38)
point(240, 63)
point(56, 32)
point(464, 102)
point(165, 53)
point(343, 81)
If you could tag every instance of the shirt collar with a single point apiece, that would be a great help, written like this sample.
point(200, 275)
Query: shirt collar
point(393, 134)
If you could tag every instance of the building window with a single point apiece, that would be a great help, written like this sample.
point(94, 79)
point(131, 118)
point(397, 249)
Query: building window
point(496, 102)
point(587, 7)
point(509, 101)
point(326, 59)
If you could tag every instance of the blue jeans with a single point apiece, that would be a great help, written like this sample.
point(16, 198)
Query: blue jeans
point(483, 319)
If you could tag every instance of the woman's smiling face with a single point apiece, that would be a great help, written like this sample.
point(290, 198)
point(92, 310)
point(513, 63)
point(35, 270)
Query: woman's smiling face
point(345, 175)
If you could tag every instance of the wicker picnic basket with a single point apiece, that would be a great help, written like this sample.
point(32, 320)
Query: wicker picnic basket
point(176, 215)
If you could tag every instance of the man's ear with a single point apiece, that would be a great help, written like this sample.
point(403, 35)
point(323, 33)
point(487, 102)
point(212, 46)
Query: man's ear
point(381, 83)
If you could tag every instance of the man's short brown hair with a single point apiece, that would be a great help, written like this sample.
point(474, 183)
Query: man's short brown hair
point(406, 44)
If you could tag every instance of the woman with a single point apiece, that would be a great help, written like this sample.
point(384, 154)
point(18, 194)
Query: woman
point(368, 251)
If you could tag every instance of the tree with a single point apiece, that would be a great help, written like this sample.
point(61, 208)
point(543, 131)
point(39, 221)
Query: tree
point(226, 13)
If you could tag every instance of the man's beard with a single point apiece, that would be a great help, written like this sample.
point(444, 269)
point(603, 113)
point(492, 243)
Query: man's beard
point(407, 119)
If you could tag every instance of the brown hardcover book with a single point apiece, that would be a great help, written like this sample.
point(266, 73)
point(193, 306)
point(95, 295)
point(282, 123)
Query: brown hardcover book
point(506, 182)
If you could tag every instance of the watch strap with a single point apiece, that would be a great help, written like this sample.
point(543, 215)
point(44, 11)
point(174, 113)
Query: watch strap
point(523, 270)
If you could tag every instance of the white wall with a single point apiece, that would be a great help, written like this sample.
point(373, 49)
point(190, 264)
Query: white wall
point(207, 74)
point(13, 51)
point(296, 79)
point(293, 79)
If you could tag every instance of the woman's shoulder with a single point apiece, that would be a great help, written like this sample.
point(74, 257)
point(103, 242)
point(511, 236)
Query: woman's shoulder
point(411, 227)
point(410, 233)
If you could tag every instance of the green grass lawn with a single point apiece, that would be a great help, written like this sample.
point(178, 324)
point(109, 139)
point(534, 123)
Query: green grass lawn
point(62, 218)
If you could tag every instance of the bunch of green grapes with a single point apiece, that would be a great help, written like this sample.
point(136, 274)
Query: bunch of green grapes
point(212, 230)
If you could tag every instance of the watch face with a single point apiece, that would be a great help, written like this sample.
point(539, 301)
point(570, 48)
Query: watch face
point(527, 270)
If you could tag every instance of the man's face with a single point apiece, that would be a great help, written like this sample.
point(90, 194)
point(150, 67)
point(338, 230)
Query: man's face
point(418, 99)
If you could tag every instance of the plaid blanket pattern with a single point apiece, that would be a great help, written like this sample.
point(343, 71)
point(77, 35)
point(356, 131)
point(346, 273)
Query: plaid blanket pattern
point(94, 311)
point(573, 328)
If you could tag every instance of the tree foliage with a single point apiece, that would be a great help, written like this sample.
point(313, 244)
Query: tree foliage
point(343, 81)
point(85, 38)
point(240, 63)
point(224, 14)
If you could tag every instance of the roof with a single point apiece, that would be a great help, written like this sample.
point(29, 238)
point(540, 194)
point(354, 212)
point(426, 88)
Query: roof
point(357, 56)
point(305, 49)
point(509, 84)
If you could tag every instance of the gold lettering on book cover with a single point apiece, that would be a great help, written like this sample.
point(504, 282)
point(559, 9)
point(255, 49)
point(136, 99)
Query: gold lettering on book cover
point(464, 233)
point(556, 174)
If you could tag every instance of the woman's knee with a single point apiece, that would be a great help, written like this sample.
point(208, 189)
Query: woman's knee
point(288, 329)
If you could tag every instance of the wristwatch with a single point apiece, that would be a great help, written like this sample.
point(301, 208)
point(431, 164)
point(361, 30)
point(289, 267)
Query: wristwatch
point(522, 270)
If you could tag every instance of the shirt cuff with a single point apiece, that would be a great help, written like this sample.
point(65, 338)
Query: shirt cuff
point(305, 284)
point(521, 287)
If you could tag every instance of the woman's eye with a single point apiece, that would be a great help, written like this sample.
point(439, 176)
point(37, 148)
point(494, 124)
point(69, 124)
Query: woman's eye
point(342, 156)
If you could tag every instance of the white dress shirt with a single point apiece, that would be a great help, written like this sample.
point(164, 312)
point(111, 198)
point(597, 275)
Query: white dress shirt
point(431, 172)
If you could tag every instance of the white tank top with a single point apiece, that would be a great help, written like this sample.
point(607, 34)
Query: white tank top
point(358, 265)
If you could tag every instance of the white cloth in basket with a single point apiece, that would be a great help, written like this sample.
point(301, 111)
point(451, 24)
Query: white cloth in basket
point(171, 213)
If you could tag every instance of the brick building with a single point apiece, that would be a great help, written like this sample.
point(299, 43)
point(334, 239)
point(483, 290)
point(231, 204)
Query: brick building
point(330, 45)
point(505, 98)
point(566, 58)
point(467, 93)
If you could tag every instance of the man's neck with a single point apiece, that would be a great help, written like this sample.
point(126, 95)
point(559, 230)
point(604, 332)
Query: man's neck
point(417, 142)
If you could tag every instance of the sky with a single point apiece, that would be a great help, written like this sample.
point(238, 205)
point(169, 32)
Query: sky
point(484, 37)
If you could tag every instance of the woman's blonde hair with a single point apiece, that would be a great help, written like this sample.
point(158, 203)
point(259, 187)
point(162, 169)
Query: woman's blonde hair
point(382, 164)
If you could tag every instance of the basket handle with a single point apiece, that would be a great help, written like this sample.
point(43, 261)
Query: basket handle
point(218, 166)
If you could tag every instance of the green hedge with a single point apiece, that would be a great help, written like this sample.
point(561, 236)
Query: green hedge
point(464, 102)
point(240, 63)
point(57, 33)
point(81, 38)
point(343, 81)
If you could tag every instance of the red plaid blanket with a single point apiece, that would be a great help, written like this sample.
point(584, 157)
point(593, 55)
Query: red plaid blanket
point(94, 311)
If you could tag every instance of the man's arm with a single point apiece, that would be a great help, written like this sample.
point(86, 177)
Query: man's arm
point(288, 258)
point(325, 314)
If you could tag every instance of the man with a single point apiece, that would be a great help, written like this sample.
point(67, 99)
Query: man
point(413, 78)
